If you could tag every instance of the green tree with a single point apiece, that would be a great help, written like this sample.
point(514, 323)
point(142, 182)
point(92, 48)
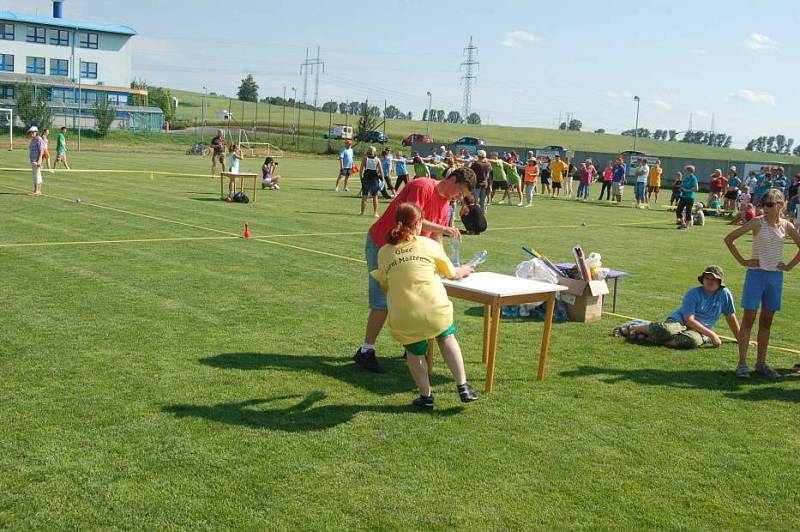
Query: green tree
point(329, 107)
point(104, 114)
point(162, 98)
point(574, 125)
point(33, 106)
point(601, 130)
point(366, 122)
point(474, 118)
point(454, 117)
point(139, 99)
point(248, 90)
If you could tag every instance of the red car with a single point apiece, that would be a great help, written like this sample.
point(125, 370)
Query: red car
point(416, 137)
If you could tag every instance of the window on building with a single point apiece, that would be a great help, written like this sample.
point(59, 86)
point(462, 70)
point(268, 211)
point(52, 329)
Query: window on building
point(88, 70)
point(7, 92)
point(6, 63)
point(59, 95)
point(88, 97)
point(7, 32)
point(37, 34)
point(59, 67)
point(35, 65)
point(59, 37)
point(88, 40)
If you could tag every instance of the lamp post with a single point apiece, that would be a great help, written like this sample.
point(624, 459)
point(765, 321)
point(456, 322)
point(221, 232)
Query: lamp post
point(283, 121)
point(428, 124)
point(636, 129)
point(294, 116)
point(203, 110)
point(80, 104)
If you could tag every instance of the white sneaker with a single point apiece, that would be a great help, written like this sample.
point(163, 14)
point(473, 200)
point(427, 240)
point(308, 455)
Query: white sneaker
point(346, 189)
point(520, 204)
point(336, 189)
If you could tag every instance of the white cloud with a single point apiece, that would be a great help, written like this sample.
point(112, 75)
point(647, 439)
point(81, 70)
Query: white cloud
point(758, 42)
point(661, 104)
point(518, 38)
point(749, 96)
point(702, 114)
point(153, 50)
point(698, 51)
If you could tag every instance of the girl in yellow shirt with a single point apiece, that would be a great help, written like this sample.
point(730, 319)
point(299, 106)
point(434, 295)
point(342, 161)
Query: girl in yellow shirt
point(408, 269)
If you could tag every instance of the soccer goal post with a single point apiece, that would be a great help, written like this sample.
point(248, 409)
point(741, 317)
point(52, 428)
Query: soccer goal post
point(10, 113)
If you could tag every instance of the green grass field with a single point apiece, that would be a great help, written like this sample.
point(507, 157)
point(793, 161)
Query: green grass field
point(158, 371)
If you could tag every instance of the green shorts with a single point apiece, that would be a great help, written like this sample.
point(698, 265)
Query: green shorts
point(675, 334)
point(421, 348)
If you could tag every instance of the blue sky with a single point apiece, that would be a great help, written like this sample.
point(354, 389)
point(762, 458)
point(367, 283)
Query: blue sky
point(735, 60)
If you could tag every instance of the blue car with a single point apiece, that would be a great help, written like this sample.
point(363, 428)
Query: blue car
point(471, 144)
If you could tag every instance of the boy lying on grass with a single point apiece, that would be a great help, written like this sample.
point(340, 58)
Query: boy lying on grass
point(692, 325)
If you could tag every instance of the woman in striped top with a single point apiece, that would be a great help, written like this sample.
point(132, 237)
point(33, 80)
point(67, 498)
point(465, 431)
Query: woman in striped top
point(763, 284)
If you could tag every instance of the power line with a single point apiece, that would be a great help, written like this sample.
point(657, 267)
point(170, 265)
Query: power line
point(470, 67)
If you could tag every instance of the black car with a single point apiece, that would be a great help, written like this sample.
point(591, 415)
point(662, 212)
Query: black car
point(374, 136)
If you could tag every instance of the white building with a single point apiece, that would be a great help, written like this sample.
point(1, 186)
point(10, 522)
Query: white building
point(77, 62)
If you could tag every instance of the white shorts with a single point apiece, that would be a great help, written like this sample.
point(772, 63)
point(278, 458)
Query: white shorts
point(617, 189)
point(37, 174)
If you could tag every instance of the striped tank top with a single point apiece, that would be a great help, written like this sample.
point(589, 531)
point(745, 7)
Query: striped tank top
point(768, 245)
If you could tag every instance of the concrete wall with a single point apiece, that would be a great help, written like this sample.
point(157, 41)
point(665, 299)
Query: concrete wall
point(113, 56)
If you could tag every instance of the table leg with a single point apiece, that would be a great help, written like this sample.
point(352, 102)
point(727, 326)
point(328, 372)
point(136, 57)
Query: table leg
point(429, 355)
point(548, 325)
point(614, 299)
point(487, 316)
point(493, 333)
point(254, 189)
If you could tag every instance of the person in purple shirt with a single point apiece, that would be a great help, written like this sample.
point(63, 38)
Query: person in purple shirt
point(36, 152)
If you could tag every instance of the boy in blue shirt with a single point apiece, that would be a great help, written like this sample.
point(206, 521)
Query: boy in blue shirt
point(689, 190)
point(345, 164)
point(692, 325)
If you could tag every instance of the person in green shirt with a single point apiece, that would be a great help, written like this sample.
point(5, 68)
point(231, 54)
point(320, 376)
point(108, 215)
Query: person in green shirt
point(61, 148)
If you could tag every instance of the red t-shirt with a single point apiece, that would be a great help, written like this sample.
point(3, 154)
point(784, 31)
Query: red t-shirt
point(421, 191)
point(716, 184)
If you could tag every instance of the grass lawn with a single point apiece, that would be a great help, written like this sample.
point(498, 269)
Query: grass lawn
point(160, 372)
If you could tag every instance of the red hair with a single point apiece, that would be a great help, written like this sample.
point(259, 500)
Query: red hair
point(406, 218)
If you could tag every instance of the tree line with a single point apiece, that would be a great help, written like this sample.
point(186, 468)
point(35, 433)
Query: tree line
point(773, 144)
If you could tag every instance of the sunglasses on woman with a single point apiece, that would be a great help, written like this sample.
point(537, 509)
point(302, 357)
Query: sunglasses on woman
point(769, 204)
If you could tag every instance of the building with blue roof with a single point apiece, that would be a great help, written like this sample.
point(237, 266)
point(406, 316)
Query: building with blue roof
point(76, 62)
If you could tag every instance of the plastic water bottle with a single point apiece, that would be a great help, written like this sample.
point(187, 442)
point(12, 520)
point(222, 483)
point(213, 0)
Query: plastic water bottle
point(455, 251)
point(479, 258)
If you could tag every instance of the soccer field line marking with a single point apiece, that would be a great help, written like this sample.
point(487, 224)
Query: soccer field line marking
point(125, 241)
point(154, 172)
point(131, 213)
point(775, 347)
point(292, 246)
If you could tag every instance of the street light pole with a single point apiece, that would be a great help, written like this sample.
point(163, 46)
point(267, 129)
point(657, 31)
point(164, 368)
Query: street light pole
point(283, 121)
point(428, 124)
point(294, 116)
point(636, 130)
point(203, 110)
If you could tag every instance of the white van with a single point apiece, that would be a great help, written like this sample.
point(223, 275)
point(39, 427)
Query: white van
point(340, 131)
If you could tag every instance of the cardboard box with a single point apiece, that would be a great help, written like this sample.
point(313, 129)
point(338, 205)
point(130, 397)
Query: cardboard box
point(584, 299)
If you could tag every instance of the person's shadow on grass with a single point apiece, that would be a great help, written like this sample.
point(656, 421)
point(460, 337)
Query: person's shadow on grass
point(300, 417)
point(715, 380)
point(395, 379)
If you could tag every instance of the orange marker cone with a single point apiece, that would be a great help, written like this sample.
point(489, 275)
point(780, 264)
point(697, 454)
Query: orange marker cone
point(246, 231)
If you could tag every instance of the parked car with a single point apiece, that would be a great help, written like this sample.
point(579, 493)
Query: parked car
point(374, 136)
point(417, 137)
point(471, 144)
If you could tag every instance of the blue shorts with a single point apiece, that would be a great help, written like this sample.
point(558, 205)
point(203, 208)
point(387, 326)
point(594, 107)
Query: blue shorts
point(377, 297)
point(762, 288)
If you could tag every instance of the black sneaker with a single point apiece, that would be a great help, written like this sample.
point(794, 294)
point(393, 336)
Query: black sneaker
point(466, 393)
point(424, 402)
point(367, 360)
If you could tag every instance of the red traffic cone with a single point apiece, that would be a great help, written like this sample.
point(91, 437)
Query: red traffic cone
point(246, 231)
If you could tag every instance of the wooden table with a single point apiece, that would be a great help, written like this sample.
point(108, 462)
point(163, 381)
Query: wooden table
point(241, 178)
point(495, 290)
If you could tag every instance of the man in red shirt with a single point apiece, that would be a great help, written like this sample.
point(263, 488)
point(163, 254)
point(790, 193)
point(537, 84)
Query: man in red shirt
point(433, 197)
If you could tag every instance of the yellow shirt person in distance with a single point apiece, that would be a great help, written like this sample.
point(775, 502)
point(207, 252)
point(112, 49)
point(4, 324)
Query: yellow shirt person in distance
point(418, 307)
point(558, 169)
point(654, 181)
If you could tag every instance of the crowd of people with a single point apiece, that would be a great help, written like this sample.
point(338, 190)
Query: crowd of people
point(219, 148)
point(39, 154)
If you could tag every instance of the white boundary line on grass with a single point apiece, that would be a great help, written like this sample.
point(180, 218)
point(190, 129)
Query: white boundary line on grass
point(94, 242)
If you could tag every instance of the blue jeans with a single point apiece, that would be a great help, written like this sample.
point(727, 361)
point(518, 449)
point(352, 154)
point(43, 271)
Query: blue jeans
point(640, 191)
point(377, 297)
point(583, 190)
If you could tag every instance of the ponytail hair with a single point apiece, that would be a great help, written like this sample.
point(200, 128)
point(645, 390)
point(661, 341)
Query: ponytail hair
point(406, 218)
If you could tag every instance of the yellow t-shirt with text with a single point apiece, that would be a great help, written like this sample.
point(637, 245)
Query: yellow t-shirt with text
point(416, 299)
point(654, 177)
point(557, 170)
